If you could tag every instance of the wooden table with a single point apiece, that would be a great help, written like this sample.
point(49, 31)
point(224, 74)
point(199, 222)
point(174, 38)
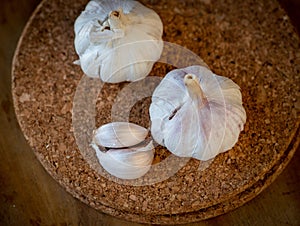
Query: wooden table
point(29, 196)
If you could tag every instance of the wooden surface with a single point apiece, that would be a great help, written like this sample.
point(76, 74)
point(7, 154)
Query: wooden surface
point(29, 196)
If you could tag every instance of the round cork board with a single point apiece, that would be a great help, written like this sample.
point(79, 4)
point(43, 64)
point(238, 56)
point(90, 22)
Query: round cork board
point(251, 42)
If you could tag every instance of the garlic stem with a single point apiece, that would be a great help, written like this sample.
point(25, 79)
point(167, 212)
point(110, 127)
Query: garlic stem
point(194, 89)
point(115, 19)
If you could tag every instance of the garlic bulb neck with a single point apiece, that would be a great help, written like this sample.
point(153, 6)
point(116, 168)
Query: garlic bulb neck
point(116, 19)
point(194, 89)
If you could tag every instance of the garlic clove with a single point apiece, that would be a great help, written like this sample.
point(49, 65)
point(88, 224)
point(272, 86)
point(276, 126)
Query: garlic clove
point(129, 61)
point(88, 62)
point(119, 135)
point(82, 40)
point(159, 115)
point(128, 163)
point(208, 115)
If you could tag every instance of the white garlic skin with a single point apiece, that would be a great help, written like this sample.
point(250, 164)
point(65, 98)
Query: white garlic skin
point(189, 125)
point(124, 52)
point(126, 163)
point(119, 135)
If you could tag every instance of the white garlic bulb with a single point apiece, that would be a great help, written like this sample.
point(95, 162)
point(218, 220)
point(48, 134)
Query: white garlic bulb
point(119, 135)
point(118, 40)
point(195, 113)
point(129, 159)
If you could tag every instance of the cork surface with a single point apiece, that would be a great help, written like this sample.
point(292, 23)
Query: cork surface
point(253, 43)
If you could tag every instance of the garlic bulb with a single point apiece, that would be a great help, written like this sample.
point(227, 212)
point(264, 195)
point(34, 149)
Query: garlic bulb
point(126, 163)
point(195, 113)
point(132, 159)
point(117, 40)
point(119, 135)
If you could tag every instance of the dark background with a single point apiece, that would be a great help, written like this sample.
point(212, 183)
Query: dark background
point(29, 196)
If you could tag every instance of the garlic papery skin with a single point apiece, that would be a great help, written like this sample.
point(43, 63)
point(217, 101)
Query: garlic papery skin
point(119, 135)
point(117, 40)
point(195, 113)
point(126, 163)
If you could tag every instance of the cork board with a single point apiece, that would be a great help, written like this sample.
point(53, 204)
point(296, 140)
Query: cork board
point(253, 43)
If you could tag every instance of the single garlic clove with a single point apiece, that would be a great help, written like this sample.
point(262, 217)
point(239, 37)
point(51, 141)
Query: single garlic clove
point(128, 163)
point(82, 40)
point(206, 115)
point(119, 135)
point(157, 123)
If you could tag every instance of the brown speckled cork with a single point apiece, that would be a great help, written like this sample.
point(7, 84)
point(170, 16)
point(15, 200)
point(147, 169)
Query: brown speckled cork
point(251, 42)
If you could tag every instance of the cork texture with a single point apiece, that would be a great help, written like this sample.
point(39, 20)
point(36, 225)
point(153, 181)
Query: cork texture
point(251, 42)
